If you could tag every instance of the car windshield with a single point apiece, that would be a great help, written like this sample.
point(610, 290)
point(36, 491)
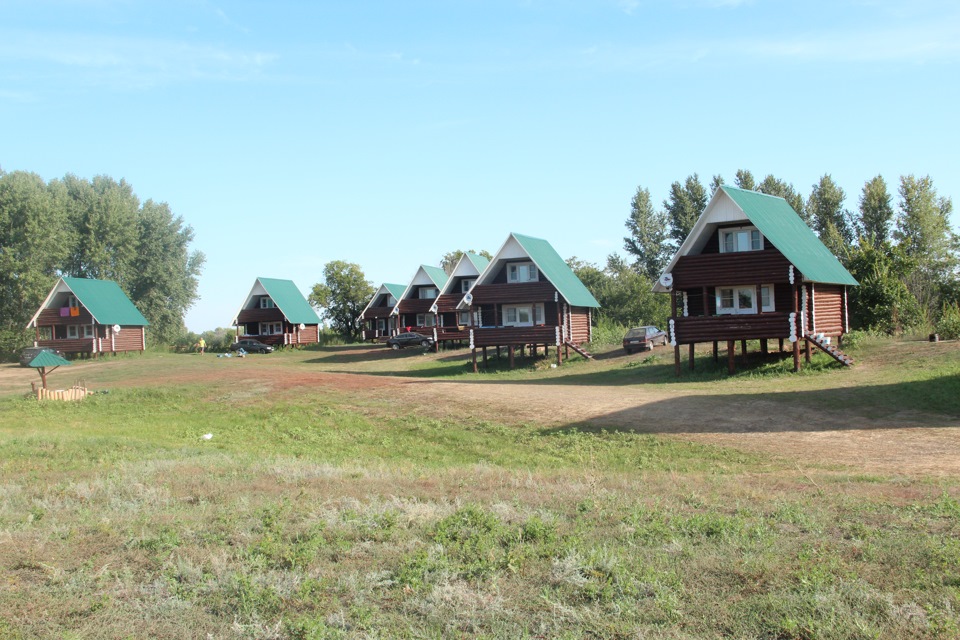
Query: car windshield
point(639, 332)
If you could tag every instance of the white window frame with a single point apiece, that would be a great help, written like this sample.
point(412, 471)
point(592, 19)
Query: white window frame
point(512, 312)
point(522, 272)
point(72, 302)
point(266, 302)
point(271, 328)
point(391, 301)
point(466, 283)
point(463, 318)
point(426, 320)
point(742, 239)
point(73, 332)
point(735, 308)
point(381, 324)
point(428, 293)
point(87, 331)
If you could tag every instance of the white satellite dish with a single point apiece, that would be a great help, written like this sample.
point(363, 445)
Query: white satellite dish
point(433, 308)
point(302, 326)
point(666, 280)
point(468, 298)
point(116, 328)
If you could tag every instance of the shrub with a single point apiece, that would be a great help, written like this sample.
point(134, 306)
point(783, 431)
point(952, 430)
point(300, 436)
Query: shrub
point(948, 326)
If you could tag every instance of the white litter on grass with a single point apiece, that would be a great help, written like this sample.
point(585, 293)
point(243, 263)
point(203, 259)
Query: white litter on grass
point(207, 436)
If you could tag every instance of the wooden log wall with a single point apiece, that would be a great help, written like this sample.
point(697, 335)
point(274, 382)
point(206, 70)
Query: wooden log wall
point(828, 309)
point(260, 315)
point(579, 325)
point(747, 267)
point(506, 336)
point(514, 293)
point(732, 327)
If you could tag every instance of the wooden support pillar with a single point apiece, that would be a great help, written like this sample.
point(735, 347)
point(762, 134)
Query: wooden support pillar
point(743, 347)
point(716, 351)
point(546, 351)
point(474, 350)
point(807, 351)
point(498, 352)
point(690, 356)
point(676, 359)
point(796, 356)
point(510, 351)
point(566, 351)
point(731, 352)
point(484, 357)
point(763, 346)
point(781, 344)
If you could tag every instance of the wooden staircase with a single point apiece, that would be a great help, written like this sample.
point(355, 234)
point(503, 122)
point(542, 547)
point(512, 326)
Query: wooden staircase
point(821, 343)
point(579, 349)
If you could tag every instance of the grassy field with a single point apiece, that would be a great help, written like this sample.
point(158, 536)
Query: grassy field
point(349, 492)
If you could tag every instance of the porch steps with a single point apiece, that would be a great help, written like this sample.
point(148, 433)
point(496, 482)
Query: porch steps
point(822, 343)
point(579, 349)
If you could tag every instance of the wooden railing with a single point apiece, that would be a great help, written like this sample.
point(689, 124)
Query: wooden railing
point(69, 345)
point(731, 327)
point(499, 336)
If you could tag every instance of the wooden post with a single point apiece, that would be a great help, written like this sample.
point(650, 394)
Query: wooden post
point(690, 357)
point(763, 346)
point(474, 350)
point(807, 349)
point(731, 351)
point(781, 344)
point(716, 351)
point(743, 347)
point(510, 351)
point(676, 359)
point(484, 357)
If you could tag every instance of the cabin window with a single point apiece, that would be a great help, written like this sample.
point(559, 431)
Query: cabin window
point(522, 272)
point(466, 284)
point(266, 302)
point(743, 300)
point(381, 324)
point(271, 328)
point(88, 331)
point(426, 320)
point(524, 315)
point(463, 318)
point(740, 239)
point(72, 302)
point(391, 301)
point(73, 331)
point(427, 293)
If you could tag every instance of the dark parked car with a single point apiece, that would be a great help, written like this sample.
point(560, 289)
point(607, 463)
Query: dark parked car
point(251, 346)
point(643, 339)
point(28, 354)
point(402, 340)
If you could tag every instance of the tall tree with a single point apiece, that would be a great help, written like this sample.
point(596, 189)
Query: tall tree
point(626, 297)
point(876, 212)
point(647, 242)
point(683, 206)
point(882, 302)
point(342, 296)
point(776, 187)
point(715, 183)
point(830, 220)
point(744, 180)
point(923, 232)
point(104, 216)
point(449, 260)
point(33, 245)
point(164, 274)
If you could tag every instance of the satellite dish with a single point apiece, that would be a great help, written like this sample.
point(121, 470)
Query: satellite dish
point(116, 328)
point(468, 298)
point(666, 280)
point(302, 326)
point(433, 308)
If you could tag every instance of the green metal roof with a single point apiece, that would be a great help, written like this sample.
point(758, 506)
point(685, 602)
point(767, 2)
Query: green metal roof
point(289, 300)
point(105, 301)
point(396, 290)
point(784, 228)
point(557, 271)
point(478, 261)
point(438, 275)
point(47, 359)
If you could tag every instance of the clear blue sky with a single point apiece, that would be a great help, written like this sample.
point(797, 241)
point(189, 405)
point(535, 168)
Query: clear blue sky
point(289, 134)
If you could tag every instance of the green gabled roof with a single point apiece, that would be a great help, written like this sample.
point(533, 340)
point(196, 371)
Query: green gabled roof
point(783, 227)
point(47, 359)
point(438, 275)
point(289, 300)
point(559, 273)
point(478, 261)
point(396, 290)
point(105, 301)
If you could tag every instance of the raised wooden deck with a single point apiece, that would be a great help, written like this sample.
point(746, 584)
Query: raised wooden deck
point(690, 330)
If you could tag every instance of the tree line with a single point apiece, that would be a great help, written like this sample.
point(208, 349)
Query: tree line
point(98, 229)
point(905, 255)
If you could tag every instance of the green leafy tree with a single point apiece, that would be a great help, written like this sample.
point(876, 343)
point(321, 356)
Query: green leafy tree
point(33, 244)
point(647, 242)
point(830, 220)
point(924, 234)
point(449, 260)
point(776, 187)
point(882, 302)
point(744, 180)
point(715, 183)
point(876, 212)
point(626, 297)
point(103, 214)
point(683, 206)
point(342, 296)
point(165, 273)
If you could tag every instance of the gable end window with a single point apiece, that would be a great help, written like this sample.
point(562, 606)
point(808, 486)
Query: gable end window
point(466, 284)
point(266, 302)
point(428, 293)
point(522, 272)
point(740, 239)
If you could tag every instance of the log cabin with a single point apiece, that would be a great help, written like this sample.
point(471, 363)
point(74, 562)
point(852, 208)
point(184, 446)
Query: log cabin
point(277, 314)
point(414, 310)
point(528, 296)
point(453, 324)
point(751, 269)
point(377, 322)
point(82, 315)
